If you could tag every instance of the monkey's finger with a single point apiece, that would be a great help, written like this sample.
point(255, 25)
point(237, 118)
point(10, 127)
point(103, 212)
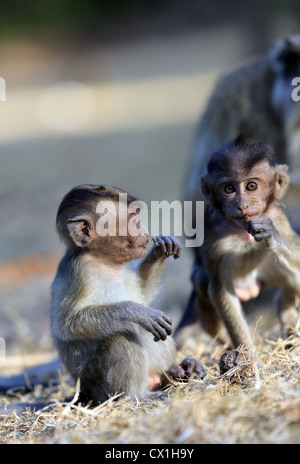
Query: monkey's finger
point(257, 228)
point(177, 249)
point(161, 248)
point(166, 321)
point(168, 244)
point(261, 230)
point(193, 366)
point(198, 369)
point(189, 366)
point(262, 222)
point(263, 235)
point(166, 318)
point(155, 241)
point(162, 332)
point(166, 326)
point(189, 370)
point(156, 334)
point(177, 373)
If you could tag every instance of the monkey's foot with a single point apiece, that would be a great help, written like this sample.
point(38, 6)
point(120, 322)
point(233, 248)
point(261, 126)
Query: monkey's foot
point(231, 359)
point(186, 369)
point(154, 382)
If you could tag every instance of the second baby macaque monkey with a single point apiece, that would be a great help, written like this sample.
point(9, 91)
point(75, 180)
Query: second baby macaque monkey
point(106, 333)
point(248, 241)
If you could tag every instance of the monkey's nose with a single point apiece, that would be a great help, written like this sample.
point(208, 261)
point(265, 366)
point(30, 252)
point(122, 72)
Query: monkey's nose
point(243, 209)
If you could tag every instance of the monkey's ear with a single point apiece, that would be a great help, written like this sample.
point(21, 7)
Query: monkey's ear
point(80, 231)
point(282, 181)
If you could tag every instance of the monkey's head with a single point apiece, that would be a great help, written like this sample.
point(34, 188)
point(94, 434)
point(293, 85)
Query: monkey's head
point(103, 221)
point(243, 178)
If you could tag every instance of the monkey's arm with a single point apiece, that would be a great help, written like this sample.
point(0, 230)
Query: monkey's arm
point(104, 321)
point(281, 240)
point(152, 268)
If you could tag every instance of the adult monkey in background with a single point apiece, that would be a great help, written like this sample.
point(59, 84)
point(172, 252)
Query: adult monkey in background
point(248, 242)
point(255, 99)
point(103, 327)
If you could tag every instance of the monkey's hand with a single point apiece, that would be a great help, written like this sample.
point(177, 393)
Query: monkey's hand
point(262, 228)
point(157, 323)
point(167, 246)
point(186, 369)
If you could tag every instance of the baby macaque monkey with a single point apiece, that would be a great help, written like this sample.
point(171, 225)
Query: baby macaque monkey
point(248, 241)
point(105, 331)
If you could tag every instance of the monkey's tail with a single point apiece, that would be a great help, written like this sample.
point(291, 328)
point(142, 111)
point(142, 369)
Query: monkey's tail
point(20, 408)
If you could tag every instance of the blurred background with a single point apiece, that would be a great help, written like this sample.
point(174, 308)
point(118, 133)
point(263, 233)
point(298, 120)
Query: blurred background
point(104, 91)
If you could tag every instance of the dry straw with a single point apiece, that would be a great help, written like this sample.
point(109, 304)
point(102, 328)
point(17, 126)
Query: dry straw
point(236, 407)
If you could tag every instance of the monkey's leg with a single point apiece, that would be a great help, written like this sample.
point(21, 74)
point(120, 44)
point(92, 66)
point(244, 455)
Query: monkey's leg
point(200, 309)
point(119, 366)
point(190, 316)
point(200, 283)
point(230, 310)
point(287, 311)
point(210, 320)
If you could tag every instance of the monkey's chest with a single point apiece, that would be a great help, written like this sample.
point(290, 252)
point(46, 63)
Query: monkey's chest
point(246, 267)
point(108, 291)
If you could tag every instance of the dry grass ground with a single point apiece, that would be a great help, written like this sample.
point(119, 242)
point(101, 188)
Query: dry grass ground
point(235, 408)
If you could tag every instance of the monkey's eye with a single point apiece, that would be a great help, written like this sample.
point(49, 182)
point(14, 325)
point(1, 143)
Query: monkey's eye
point(252, 186)
point(229, 189)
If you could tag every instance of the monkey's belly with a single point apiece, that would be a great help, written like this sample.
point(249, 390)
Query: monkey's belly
point(247, 288)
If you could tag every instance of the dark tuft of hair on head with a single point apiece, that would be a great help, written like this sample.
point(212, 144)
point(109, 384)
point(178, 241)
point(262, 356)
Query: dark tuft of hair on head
point(241, 151)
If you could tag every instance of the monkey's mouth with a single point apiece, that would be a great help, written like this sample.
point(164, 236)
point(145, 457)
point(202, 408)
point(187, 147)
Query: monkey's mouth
point(143, 247)
point(143, 244)
point(240, 218)
point(244, 218)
